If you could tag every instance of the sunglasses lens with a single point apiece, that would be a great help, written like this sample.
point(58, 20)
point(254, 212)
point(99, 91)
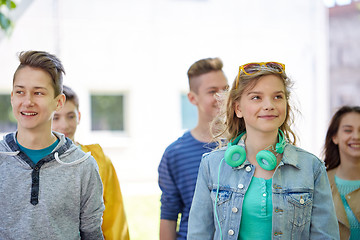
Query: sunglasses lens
point(276, 66)
point(251, 68)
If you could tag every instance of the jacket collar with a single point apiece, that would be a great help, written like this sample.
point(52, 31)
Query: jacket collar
point(290, 157)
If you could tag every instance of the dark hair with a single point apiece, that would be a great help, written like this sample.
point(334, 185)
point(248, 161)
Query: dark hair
point(46, 62)
point(331, 150)
point(71, 96)
point(201, 67)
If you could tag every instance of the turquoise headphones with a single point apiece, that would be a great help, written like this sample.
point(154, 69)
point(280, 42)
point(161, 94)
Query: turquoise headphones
point(235, 155)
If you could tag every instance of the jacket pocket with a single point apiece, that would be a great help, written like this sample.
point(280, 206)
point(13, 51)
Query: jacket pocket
point(222, 202)
point(300, 207)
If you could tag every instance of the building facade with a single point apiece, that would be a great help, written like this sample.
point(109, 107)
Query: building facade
point(128, 60)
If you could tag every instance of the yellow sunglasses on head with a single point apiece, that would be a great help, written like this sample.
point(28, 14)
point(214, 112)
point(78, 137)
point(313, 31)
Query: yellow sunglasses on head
point(252, 68)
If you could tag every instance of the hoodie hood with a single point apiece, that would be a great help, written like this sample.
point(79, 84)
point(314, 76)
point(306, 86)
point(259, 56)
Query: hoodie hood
point(60, 153)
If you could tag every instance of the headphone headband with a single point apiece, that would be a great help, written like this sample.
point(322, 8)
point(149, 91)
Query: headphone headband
point(236, 140)
point(279, 147)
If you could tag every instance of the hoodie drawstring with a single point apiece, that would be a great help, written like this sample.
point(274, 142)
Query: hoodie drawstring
point(10, 153)
point(86, 156)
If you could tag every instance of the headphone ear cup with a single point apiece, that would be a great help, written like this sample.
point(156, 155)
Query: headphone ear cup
point(235, 155)
point(266, 160)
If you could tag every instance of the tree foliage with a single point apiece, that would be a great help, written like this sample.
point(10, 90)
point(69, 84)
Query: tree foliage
point(5, 7)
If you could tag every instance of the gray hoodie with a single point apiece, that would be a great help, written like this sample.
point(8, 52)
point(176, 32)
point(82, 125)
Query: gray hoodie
point(60, 197)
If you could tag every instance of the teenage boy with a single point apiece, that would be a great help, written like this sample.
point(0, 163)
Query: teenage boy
point(49, 189)
point(179, 165)
point(66, 120)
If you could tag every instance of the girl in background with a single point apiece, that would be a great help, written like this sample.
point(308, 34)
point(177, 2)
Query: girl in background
point(342, 159)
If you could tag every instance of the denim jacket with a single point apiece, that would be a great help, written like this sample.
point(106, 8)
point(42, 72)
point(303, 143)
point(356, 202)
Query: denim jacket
point(301, 197)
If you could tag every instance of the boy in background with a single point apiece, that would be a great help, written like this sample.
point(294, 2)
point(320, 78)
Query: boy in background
point(179, 165)
point(66, 120)
point(49, 189)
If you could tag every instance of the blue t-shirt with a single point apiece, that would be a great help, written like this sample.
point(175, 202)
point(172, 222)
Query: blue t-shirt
point(37, 155)
point(178, 172)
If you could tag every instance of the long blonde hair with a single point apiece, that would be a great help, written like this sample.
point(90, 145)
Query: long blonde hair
point(228, 125)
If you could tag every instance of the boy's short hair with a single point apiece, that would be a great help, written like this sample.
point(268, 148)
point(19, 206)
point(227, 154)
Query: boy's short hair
point(71, 96)
point(46, 62)
point(201, 67)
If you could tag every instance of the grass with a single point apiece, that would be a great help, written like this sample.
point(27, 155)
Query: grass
point(143, 216)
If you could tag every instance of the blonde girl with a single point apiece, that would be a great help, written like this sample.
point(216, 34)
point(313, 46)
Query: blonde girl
point(261, 186)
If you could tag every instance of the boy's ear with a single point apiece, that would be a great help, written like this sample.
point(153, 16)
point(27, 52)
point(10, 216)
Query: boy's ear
point(60, 101)
point(79, 116)
point(11, 98)
point(192, 98)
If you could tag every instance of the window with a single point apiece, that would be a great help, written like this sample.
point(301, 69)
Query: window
point(189, 115)
point(7, 120)
point(107, 112)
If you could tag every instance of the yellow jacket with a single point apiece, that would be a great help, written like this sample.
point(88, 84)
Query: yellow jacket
point(114, 224)
point(353, 200)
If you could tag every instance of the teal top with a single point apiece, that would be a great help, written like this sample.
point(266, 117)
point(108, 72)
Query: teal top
point(257, 211)
point(345, 187)
point(37, 155)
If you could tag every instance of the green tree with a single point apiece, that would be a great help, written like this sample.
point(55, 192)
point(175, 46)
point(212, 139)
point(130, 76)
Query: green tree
point(5, 7)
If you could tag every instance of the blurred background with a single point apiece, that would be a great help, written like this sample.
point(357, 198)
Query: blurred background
point(127, 60)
